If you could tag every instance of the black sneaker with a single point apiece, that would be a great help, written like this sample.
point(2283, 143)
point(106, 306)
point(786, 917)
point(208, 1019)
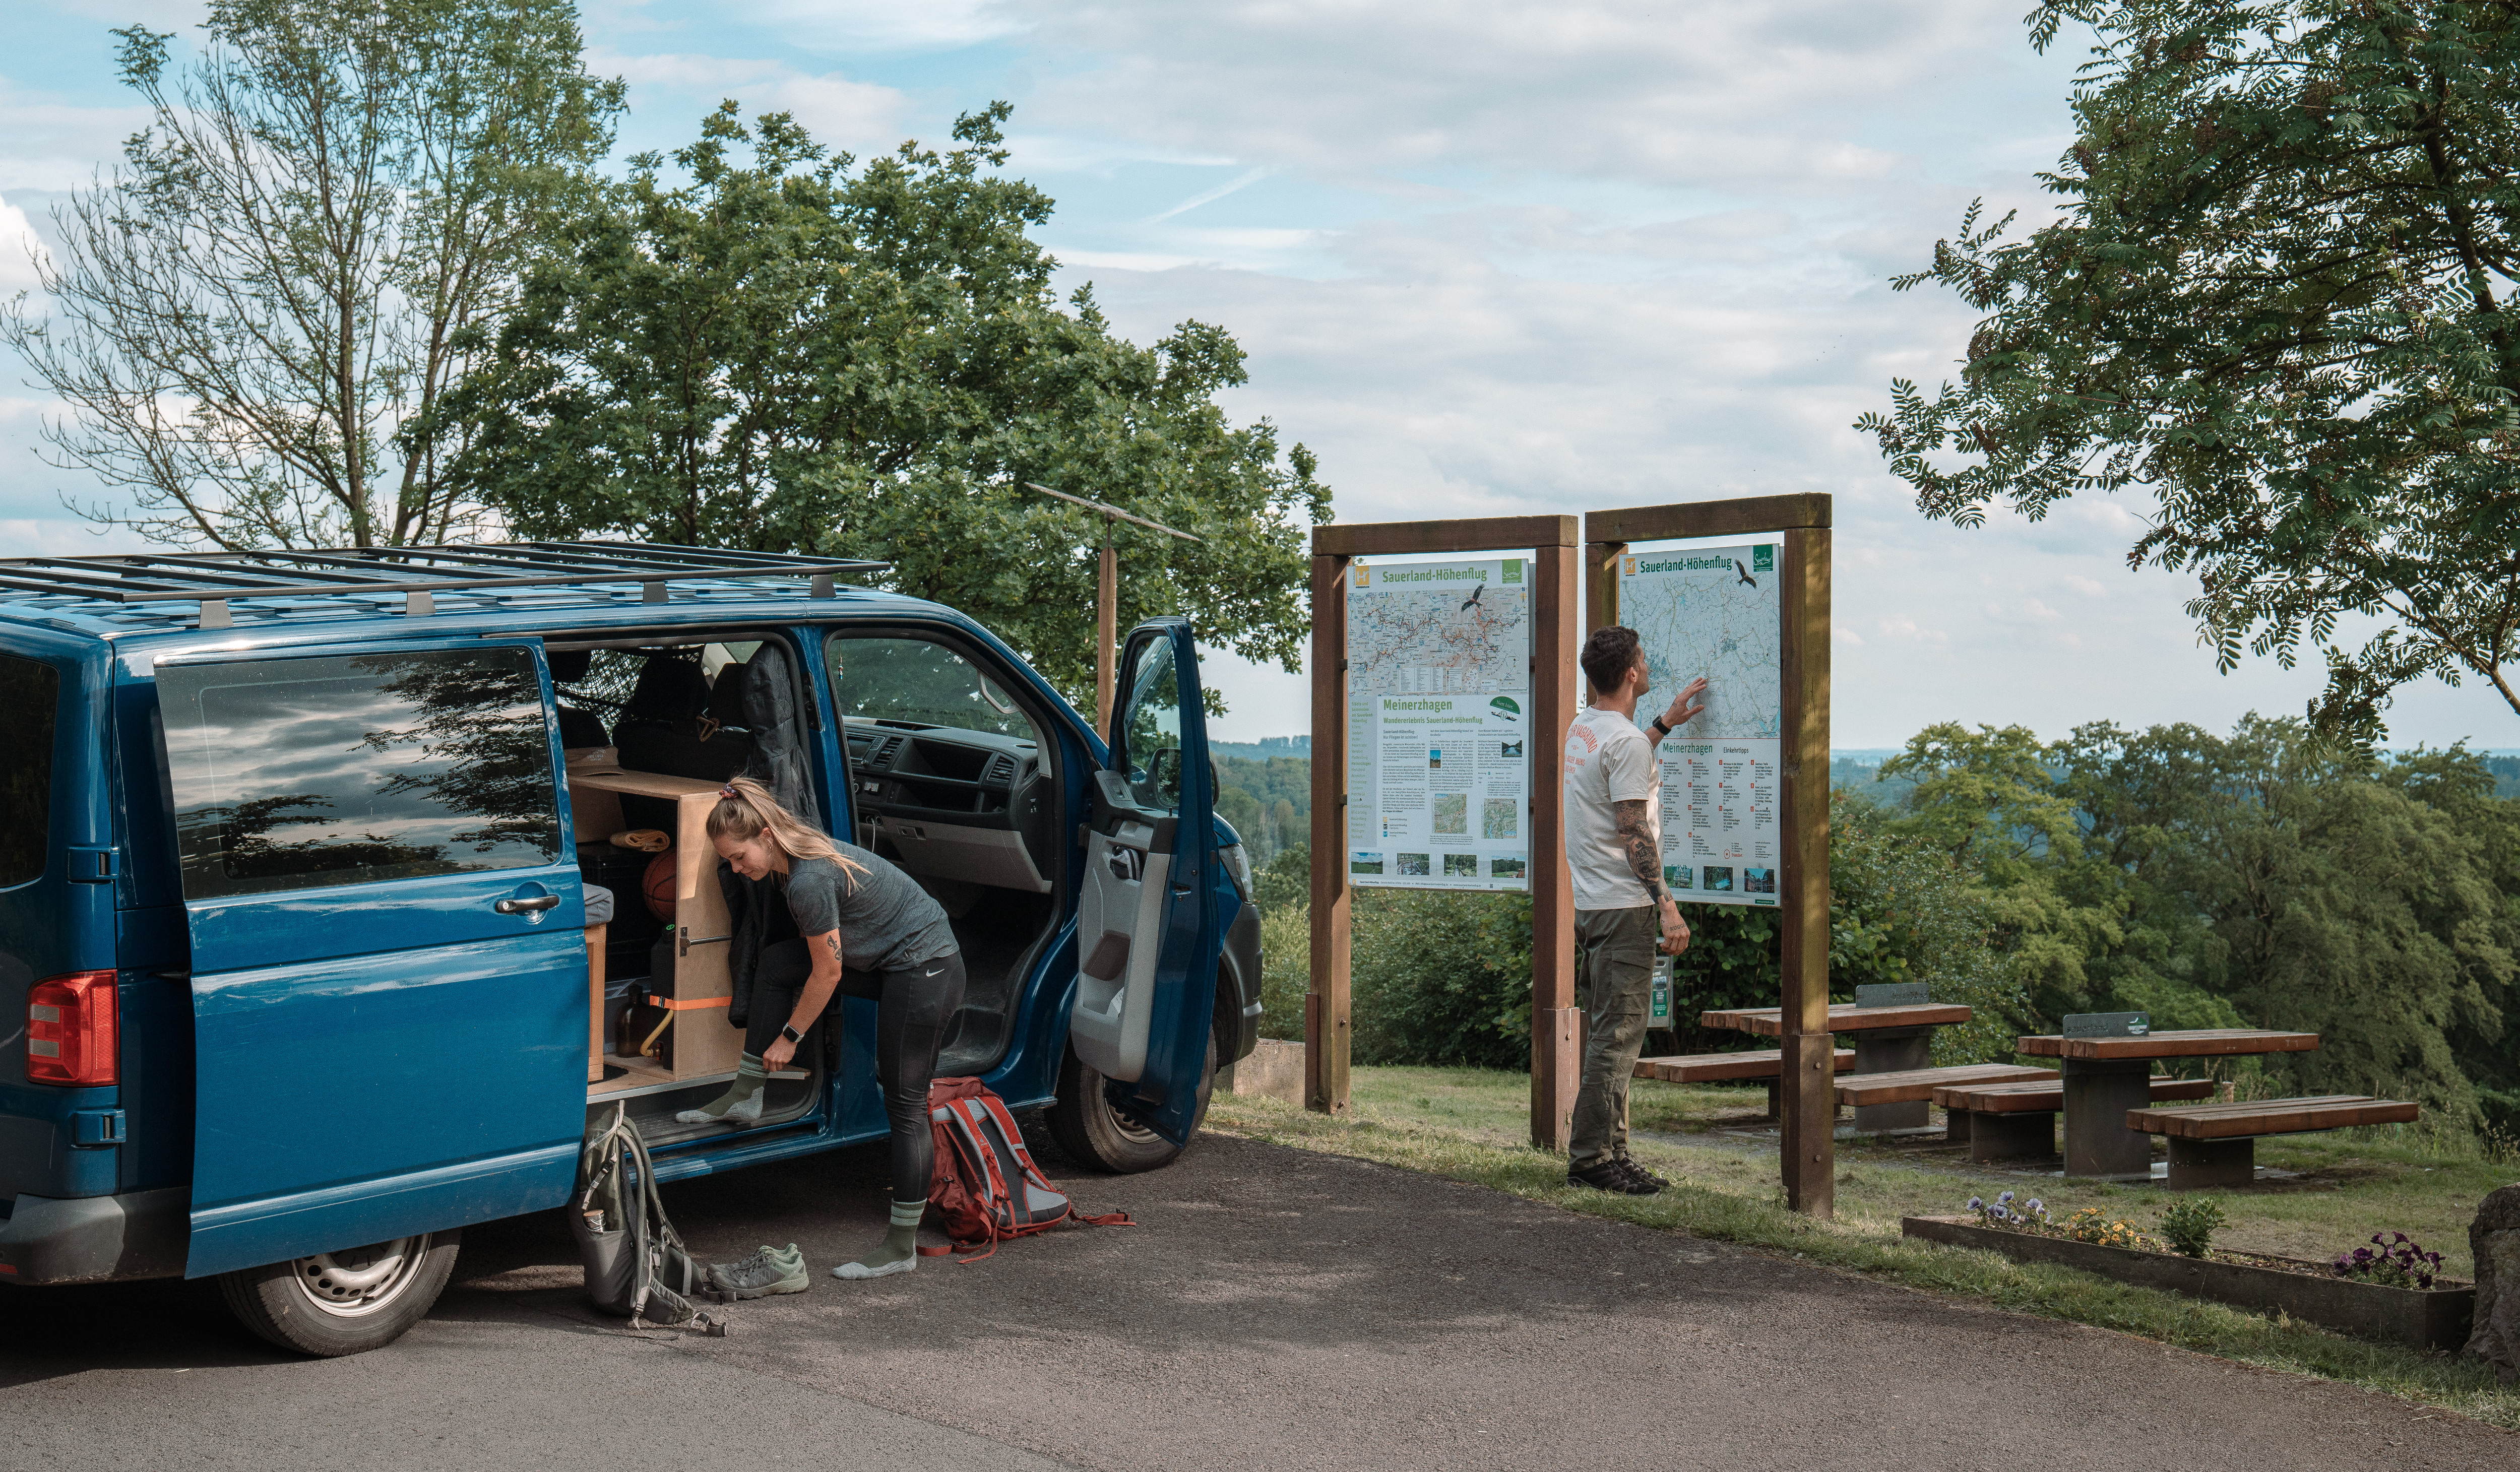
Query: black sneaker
point(1607, 1176)
point(1628, 1163)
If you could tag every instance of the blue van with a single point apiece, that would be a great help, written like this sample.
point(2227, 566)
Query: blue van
point(297, 971)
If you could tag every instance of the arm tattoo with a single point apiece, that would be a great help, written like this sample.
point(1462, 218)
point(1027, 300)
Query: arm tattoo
point(832, 939)
point(1644, 850)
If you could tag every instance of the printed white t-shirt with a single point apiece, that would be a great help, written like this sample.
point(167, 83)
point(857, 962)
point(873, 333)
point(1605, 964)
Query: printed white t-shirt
point(1607, 760)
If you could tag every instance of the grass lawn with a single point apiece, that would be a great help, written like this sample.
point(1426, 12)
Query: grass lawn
point(1472, 1124)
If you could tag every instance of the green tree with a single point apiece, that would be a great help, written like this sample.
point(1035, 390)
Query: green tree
point(2277, 299)
point(1990, 802)
point(255, 317)
point(2268, 878)
point(790, 353)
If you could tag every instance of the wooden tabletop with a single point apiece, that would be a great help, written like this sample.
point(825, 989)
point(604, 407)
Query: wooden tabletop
point(2189, 1043)
point(1843, 1017)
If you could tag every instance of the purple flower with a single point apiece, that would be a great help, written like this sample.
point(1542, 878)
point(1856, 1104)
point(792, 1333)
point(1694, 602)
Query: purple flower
point(1976, 1204)
point(2005, 1199)
point(2036, 1205)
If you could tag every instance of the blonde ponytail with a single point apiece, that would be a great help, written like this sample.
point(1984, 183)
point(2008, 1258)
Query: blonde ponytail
point(745, 810)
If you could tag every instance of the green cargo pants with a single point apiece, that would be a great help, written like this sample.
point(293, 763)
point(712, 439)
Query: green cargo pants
point(1615, 951)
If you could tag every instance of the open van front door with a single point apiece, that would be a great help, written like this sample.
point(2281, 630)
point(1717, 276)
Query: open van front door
point(389, 960)
point(1147, 923)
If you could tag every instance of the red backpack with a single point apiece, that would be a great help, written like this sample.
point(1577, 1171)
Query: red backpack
point(985, 1187)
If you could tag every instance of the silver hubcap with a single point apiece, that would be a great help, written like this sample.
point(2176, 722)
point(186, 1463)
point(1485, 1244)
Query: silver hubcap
point(361, 1279)
point(1127, 1127)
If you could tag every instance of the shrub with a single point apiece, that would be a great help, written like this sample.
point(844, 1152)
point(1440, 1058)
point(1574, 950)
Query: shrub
point(2189, 1224)
point(1285, 971)
point(1441, 977)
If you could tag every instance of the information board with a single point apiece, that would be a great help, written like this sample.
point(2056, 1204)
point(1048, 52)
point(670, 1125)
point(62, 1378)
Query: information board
point(1439, 723)
point(1715, 611)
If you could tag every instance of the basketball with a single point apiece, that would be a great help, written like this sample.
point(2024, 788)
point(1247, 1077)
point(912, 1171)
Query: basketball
point(658, 887)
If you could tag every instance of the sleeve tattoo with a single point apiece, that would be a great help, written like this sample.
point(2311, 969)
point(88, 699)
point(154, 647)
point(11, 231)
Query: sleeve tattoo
point(1645, 849)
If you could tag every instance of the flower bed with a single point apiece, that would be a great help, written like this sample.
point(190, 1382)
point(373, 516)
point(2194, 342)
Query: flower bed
point(2312, 1292)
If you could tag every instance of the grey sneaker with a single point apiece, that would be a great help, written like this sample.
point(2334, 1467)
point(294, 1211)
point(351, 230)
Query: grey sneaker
point(768, 1271)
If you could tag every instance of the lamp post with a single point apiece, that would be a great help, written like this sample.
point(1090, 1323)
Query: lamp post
point(1106, 594)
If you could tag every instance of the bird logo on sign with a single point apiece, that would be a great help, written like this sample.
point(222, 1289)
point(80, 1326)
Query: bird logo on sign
point(1745, 573)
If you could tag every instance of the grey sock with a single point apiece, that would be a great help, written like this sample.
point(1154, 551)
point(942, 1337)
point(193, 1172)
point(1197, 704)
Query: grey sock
point(899, 1250)
point(742, 1101)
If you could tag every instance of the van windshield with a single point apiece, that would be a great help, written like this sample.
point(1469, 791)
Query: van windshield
point(921, 683)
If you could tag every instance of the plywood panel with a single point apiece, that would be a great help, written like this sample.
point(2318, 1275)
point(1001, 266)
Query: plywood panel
point(703, 1042)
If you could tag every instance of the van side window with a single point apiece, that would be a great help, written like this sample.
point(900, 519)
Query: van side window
point(924, 683)
point(1151, 732)
point(290, 774)
point(34, 690)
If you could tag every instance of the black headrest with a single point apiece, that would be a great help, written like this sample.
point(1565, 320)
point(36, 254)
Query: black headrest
point(578, 727)
point(568, 666)
point(726, 698)
point(671, 688)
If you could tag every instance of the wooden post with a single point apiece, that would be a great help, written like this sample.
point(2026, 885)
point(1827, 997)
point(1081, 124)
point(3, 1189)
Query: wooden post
point(1807, 1107)
point(1106, 631)
point(1601, 584)
point(1557, 1064)
point(1810, 1124)
point(1325, 1011)
point(1556, 615)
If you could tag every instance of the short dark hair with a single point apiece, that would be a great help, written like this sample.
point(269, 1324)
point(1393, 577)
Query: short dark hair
point(1608, 655)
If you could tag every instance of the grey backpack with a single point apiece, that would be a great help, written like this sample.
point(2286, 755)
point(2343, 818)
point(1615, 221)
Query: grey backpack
point(636, 1265)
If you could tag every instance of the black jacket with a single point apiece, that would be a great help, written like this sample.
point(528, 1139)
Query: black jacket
point(747, 906)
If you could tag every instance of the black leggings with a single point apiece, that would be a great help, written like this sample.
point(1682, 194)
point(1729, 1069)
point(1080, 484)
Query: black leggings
point(914, 1013)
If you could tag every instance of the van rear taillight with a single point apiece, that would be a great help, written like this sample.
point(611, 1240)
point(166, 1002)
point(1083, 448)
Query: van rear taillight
point(71, 1033)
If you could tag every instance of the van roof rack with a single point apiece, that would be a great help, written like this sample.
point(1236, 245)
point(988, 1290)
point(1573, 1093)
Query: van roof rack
point(212, 578)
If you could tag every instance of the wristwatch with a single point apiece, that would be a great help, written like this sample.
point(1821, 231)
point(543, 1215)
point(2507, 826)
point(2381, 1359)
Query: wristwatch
point(1659, 729)
point(791, 1034)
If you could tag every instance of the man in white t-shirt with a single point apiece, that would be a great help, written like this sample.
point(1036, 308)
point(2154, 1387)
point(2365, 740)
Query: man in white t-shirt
point(1622, 911)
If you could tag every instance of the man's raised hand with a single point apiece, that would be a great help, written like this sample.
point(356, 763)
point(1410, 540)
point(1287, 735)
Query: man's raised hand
point(1685, 706)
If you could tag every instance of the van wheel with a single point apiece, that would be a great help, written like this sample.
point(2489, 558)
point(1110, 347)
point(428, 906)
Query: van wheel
point(1096, 1135)
point(346, 1302)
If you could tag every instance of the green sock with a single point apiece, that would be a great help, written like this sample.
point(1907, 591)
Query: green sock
point(741, 1100)
point(899, 1252)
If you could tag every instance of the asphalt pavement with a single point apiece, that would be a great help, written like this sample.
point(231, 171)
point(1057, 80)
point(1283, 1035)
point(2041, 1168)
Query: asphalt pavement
point(1277, 1310)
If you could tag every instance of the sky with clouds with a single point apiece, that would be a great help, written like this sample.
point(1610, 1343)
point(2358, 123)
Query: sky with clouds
point(1487, 257)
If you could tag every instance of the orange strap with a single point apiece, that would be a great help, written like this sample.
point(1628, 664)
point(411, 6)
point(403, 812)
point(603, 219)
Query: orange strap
point(672, 1005)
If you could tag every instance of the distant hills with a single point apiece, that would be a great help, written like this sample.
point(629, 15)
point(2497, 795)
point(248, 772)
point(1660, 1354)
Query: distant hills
point(1266, 792)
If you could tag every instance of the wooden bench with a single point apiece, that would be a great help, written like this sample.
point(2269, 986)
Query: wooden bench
point(2216, 1144)
point(1916, 1086)
point(1728, 1068)
point(2008, 1121)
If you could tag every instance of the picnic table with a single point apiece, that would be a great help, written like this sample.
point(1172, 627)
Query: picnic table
point(1891, 1037)
point(2107, 1078)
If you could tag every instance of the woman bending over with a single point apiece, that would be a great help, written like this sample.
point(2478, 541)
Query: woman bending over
point(818, 917)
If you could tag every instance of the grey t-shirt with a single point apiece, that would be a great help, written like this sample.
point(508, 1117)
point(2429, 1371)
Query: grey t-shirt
point(885, 921)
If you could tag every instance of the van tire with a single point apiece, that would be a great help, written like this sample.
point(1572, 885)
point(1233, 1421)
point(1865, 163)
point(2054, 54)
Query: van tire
point(280, 1303)
point(1098, 1137)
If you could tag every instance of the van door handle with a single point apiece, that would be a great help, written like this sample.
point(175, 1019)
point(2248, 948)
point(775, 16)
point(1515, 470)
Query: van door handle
point(529, 905)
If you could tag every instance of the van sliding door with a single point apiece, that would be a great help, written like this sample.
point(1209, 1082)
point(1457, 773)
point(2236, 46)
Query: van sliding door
point(388, 965)
point(1146, 928)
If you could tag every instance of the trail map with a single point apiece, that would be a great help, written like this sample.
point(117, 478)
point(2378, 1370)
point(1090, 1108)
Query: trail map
point(1439, 699)
point(1715, 611)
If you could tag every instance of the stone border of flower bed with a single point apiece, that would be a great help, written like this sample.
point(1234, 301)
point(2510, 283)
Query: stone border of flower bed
point(2435, 1318)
